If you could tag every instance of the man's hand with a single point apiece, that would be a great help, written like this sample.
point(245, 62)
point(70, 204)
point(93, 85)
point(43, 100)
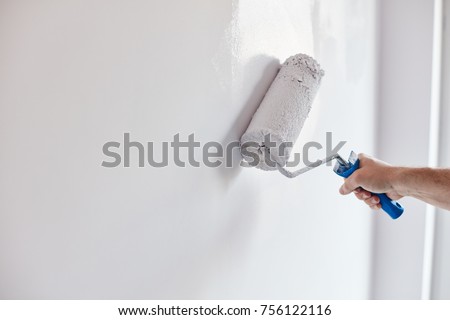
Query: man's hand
point(372, 176)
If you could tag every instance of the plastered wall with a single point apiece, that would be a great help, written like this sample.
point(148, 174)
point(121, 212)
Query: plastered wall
point(77, 74)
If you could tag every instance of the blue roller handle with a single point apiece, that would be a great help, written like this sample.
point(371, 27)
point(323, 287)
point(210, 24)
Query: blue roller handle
point(391, 207)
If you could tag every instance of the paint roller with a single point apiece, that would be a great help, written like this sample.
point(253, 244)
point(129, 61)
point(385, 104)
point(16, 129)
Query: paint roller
point(268, 141)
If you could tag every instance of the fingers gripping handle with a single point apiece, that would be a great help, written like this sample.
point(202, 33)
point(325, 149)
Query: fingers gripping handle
point(391, 207)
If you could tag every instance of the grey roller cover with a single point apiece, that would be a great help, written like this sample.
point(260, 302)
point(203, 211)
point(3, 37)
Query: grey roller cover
point(282, 113)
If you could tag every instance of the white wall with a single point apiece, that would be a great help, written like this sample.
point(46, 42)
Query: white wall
point(406, 34)
point(76, 74)
point(440, 288)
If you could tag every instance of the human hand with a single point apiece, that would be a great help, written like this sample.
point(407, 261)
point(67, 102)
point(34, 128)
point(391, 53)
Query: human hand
point(373, 176)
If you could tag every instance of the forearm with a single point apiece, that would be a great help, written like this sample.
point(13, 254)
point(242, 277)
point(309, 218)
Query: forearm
point(431, 185)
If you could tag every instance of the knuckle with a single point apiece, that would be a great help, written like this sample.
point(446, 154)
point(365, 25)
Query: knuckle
point(366, 194)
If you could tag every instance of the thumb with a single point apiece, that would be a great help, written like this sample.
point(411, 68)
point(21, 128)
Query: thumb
point(349, 185)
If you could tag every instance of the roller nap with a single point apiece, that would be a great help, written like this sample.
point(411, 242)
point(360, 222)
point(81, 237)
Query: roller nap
point(283, 110)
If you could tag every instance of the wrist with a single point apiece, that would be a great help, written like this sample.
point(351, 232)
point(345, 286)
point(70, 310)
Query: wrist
point(397, 180)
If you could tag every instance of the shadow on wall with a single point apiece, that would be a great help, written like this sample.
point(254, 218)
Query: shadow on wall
point(260, 70)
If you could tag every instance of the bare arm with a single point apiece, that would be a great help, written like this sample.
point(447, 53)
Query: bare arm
point(426, 184)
